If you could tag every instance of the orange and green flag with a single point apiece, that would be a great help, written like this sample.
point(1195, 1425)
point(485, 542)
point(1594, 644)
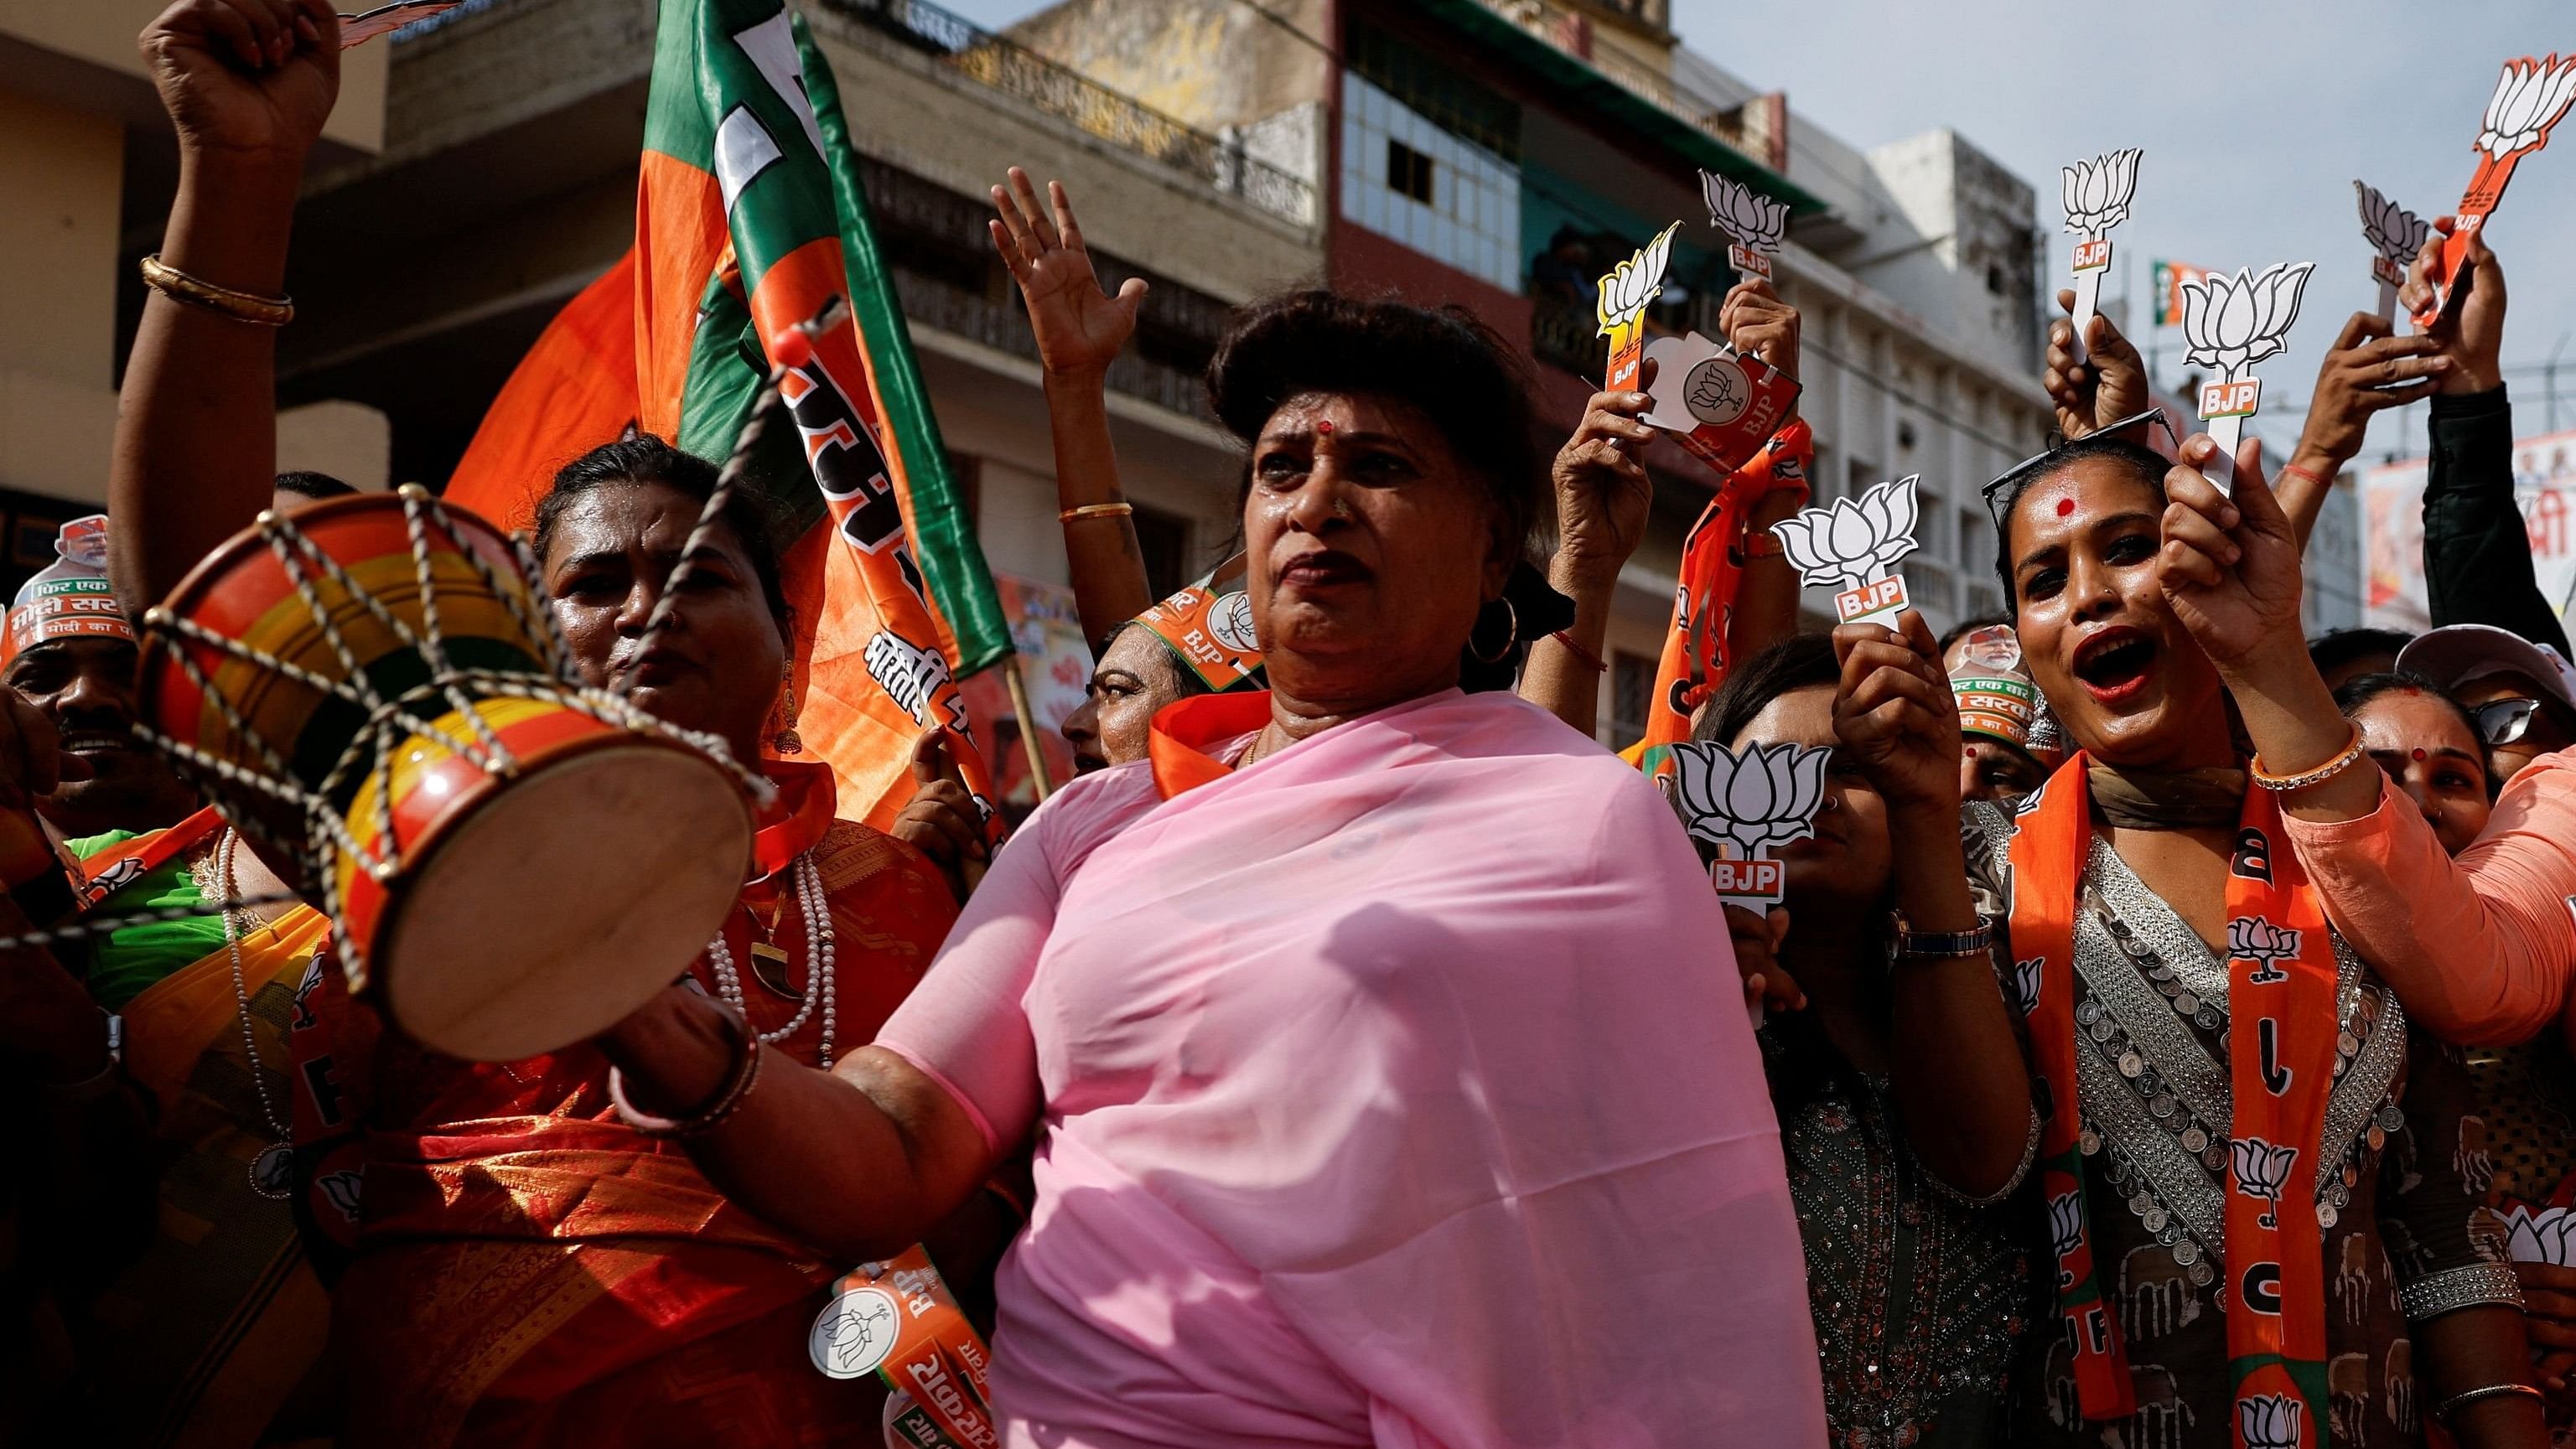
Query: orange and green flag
point(749, 219)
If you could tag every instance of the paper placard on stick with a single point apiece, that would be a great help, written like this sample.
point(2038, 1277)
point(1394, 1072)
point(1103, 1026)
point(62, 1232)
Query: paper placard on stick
point(1718, 403)
point(1753, 223)
point(2530, 97)
point(2095, 196)
point(1746, 803)
point(1852, 547)
point(2396, 238)
point(2229, 323)
point(1626, 293)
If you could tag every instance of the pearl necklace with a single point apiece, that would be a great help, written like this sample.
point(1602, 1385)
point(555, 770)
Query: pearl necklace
point(819, 961)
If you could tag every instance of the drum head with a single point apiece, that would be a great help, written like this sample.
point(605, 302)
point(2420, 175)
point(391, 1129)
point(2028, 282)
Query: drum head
point(563, 901)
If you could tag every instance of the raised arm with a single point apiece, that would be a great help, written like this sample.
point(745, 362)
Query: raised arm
point(1961, 1084)
point(248, 84)
point(2366, 372)
point(1079, 332)
point(2481, 949)
point(1602, 498)
point(2477, 551)
point(2111, 382)
point(1755, 320)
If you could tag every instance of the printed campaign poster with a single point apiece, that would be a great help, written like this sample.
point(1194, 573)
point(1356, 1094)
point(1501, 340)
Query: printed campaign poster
point(1055, 663)
point(2392, 504)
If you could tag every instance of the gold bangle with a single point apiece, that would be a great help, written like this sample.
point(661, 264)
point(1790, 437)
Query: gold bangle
point(1096, 510)
point(2283, 784)
point(249, 307)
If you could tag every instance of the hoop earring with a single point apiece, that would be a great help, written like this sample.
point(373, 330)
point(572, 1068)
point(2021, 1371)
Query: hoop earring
point(1511, 634)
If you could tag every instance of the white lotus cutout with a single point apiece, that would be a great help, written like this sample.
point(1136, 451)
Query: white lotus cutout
point(2095, 194)
point(1761, 796)
point(2269, 1421)
point(1851, 543)
point(2541, 1235)
point(2394, 232)
point(1756, 221)
point(2231, 323)
point(2529, 98)
point(1635, 282)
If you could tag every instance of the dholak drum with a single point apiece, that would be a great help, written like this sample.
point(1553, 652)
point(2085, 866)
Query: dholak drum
point(374, 689)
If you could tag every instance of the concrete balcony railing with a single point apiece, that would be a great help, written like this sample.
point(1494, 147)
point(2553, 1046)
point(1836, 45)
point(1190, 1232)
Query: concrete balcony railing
point(1094, 109)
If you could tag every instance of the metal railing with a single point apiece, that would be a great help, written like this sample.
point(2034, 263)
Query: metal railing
point(1003, 326)
point(1059, 90)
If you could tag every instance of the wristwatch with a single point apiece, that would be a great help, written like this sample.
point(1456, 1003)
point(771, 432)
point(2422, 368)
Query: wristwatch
point(1939, 945)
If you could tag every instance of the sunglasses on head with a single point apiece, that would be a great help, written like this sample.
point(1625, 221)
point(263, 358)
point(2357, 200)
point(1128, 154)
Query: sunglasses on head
point(2505, 721)
point(2135, 428)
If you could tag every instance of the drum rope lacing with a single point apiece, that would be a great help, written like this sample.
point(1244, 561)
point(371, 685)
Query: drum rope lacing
point(819, 962)
point(388, 721)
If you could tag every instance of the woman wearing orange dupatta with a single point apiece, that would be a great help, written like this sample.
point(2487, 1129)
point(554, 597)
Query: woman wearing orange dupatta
point(2264, 1222)
point(526, 1268)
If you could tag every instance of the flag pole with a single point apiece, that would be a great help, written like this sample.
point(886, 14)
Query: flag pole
point(1028, 726)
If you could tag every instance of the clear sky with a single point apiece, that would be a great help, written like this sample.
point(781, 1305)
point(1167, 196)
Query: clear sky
point(2255, 115)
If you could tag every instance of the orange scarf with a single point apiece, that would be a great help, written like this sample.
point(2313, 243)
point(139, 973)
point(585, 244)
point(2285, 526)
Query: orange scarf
point(1694, 662)
point(2281, 1007)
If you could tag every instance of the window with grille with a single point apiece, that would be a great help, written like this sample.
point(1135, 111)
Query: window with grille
point(1413, 180)
point(1632, 695)
point(1408, 172)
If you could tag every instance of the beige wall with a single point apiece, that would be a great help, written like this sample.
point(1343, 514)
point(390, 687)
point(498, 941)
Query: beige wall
point(63, 171)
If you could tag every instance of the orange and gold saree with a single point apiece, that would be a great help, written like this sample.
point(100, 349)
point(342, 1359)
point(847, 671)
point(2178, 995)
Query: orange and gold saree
point(528, 1270)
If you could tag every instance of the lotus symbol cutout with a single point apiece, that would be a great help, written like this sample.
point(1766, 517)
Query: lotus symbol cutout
point(1760, 796)
point(2529, 98)
point(2065, 1225)
point(1852, 542)
point(2541, 1235)
point(1716, 392)
point(1755, 221)
point(2027, 976)
point(2261, 1169)
point(2231, 323)
point(2269, 1421)
point(1635, 282)
point(2095, 194)
point(2394, 232)
point(2254, 939)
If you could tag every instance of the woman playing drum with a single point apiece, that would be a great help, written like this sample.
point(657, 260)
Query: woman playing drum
point(528, 1269)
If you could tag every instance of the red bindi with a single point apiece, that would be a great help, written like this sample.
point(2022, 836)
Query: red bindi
point(2419, 752)
point(2065, 506)
point(1324, 426)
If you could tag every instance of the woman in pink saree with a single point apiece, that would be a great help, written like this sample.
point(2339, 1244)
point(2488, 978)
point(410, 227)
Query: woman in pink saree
point(1386, 1060)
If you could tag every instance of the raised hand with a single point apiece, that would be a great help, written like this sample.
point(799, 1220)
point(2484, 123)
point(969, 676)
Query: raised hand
point(2471, 330)
point(1602, 491)
point(1895, 717)
point(2229, 566)
point(2367, 370)
point(1757, 941)
point(2108, 385)
point(941, 820)
point(1079, 327)
point(246, 78)
point(1756, 321)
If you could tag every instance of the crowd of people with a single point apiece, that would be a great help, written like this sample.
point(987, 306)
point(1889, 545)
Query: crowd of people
point(1356, 1052)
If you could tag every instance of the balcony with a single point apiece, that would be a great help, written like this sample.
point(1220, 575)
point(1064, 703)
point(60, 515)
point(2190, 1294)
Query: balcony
point(1005, 65)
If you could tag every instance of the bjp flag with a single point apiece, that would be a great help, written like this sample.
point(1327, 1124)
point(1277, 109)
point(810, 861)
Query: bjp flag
point(749, 219)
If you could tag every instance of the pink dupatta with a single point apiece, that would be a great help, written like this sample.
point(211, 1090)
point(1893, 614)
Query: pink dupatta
point(1394, 1090)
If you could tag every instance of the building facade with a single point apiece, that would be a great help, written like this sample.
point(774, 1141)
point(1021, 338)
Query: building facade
point(1499, 154)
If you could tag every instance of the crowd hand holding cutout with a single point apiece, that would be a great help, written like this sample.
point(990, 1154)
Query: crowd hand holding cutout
point(1757, 937)
point(941, 820)
point(1897, 720)
point(2367, 371)
point(2229, 569)
point(1756, 322)
point(2470, 333)
point(2549, 1308)
point(1602, 490)
point(2108, 385)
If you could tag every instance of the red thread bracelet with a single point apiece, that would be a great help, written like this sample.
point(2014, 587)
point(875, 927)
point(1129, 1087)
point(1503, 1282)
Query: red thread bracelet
point(2304, 473)
point(1579, 652)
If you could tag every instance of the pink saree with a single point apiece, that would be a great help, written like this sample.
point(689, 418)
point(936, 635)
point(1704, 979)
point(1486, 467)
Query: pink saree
point(1395, 1090)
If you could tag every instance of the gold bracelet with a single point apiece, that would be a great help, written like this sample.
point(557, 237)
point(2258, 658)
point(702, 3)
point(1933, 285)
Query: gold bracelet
point(1096, 510)
point(2283, 784)
point(249, 307)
